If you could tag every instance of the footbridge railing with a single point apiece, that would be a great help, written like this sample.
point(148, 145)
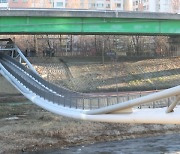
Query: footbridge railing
point(67, 98)
point(93, 107)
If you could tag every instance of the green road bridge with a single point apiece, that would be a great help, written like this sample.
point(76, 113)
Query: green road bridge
point(56, 21)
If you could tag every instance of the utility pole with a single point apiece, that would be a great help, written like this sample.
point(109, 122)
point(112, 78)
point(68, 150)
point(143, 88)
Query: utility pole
point(35, 43)
point(116, 71)
point(103, 52)
point(71, 45)
point(95, 43)
point(60, 43)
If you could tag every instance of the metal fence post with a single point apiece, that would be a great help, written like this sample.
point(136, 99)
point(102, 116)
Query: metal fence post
point(140, 96)
point(58, 99)
point(98, 102)
point(117, 97)
point(107, 101)
point(128, 96)
point(83, 102)
point(90, 103)
point(76, 101)
point(64, 100)
point(168, 102)
point(153, 105)
point(70, 100)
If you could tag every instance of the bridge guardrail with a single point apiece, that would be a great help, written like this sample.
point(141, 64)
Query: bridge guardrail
point(55, 88)
point(74, 100)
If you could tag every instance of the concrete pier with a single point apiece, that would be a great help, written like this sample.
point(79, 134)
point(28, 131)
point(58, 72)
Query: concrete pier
point(6, 88)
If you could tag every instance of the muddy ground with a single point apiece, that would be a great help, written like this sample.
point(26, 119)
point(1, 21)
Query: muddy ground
point(26, 127)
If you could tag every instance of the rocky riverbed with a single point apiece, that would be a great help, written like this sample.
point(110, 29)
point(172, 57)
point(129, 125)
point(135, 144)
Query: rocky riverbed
point(26, 127)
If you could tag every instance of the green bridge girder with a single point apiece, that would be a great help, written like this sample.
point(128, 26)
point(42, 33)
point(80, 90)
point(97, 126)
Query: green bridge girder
point(35, 22)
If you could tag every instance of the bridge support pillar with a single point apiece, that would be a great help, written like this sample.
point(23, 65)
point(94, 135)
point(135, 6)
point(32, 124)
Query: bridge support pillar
point(174, 44)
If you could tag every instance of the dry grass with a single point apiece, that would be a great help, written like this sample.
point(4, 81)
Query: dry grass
point(127, 76)
point(38, 129)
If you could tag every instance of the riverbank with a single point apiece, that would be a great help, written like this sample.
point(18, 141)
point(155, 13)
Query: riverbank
point(90, 75)
point(26, 127)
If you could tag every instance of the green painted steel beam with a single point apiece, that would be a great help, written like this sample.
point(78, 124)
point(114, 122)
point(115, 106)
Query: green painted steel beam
point(87, 25)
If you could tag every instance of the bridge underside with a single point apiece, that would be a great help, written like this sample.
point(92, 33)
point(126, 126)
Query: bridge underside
point(90, 25)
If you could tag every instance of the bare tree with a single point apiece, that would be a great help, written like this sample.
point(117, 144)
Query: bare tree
point(136, 42)
point(161, 46)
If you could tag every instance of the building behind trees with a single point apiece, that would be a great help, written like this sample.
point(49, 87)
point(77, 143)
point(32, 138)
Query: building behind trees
point(172, 6)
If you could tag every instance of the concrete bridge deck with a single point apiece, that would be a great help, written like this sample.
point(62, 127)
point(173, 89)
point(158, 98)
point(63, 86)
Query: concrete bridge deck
point(87, 14)
point(58, 21)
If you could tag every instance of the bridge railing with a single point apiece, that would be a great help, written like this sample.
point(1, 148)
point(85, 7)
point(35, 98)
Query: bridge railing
point(55, 88)
point(76, 100)
point(95, 102)
point(45, 94)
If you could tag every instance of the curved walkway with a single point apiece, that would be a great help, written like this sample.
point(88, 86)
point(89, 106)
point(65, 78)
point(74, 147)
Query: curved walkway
point(68, 103)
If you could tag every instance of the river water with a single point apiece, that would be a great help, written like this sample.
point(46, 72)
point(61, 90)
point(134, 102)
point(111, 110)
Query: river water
point(167, 144)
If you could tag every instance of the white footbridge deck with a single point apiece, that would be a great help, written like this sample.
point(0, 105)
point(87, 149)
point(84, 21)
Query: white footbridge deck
point(67, 103)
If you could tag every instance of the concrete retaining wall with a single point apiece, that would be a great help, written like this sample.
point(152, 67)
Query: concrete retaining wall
point(6, 88)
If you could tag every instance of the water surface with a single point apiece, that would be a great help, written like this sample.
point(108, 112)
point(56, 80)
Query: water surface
point(166, 144)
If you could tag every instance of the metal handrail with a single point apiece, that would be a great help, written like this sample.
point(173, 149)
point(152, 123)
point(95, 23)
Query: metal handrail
point(34, 88)
point(55, 88)
point(62, 96)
